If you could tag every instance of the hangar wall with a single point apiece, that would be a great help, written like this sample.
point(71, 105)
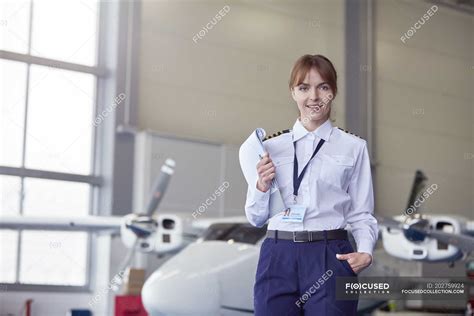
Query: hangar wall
point(424, 107)
point(424, 112)
point(234, 78)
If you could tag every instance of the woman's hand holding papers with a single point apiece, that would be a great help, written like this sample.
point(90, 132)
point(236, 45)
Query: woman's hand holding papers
point(266, 173)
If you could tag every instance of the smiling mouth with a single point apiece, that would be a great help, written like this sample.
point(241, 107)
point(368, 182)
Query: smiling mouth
point(316, 107)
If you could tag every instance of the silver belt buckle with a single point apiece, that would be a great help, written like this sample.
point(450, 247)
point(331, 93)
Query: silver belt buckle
point(310, 236)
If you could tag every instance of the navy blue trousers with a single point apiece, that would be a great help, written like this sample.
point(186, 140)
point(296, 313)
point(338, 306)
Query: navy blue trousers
point(287, 277)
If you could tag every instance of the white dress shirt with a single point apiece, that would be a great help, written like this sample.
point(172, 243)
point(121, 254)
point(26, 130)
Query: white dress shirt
point(336, 188)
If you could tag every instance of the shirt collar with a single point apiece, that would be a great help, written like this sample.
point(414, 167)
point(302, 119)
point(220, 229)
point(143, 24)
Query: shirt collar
point(323, 131)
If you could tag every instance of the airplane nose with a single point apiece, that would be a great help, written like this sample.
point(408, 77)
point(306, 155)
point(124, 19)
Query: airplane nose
point(175, 294)
point(182, 287)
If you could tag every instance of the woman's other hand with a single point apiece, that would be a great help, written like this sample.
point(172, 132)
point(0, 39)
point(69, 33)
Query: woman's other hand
point(357, 260)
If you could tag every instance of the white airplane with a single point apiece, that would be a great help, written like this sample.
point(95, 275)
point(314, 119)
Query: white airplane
point(429, 238)
point(214, 273)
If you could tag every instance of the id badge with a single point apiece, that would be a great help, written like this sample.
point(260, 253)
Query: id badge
point(294, 214)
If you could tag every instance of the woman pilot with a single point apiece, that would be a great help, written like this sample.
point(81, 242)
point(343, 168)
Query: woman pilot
point(324, 176)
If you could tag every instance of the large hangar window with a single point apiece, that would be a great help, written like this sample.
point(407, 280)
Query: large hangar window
point(49, 77)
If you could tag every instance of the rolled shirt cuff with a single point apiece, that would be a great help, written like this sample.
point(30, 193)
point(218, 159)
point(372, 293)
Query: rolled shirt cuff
point(366, 245)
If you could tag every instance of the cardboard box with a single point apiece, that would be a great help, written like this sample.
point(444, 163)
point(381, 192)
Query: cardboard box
point(133, 281)
point(130, 289)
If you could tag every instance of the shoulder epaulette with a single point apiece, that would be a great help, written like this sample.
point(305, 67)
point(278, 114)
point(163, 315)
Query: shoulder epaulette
point(349, 132)
point(276, 134)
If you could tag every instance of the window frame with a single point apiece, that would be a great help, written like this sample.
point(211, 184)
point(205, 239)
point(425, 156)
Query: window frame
point(103, 135)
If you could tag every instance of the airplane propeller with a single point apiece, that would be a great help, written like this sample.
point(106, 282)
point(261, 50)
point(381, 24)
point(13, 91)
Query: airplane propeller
point(416, 227)
point(419, 229)
point(144, 225)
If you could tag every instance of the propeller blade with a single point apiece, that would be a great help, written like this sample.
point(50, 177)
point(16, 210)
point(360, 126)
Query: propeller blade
point(160, 186)
point(419, 183)
point(125, 264)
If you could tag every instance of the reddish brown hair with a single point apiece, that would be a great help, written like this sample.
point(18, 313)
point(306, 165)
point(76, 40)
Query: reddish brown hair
point(322, 64)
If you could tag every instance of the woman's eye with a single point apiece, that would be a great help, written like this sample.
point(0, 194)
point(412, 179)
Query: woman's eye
point(303, 88)
point(325, 88)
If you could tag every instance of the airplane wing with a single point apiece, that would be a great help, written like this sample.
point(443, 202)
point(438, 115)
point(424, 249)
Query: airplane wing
point(463, 242)
point(85, 223)
point(389, 222)
point(469, 228)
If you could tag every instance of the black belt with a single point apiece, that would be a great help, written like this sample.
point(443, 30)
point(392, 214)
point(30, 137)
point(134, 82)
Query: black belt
point(307, 236)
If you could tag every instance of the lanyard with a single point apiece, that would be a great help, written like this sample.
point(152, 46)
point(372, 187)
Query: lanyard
point(297, 179)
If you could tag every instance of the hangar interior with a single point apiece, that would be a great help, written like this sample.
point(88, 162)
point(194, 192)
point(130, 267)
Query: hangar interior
point(97, 95)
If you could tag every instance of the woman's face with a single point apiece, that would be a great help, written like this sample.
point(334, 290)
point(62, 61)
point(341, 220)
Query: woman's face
point(313, 97)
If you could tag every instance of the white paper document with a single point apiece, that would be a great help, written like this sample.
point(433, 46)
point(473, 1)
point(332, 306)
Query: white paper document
point(250, 154)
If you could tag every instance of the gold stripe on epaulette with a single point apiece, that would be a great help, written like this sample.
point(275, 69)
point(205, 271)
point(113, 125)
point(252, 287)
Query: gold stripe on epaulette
point(348, 132)
point(277, 134)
